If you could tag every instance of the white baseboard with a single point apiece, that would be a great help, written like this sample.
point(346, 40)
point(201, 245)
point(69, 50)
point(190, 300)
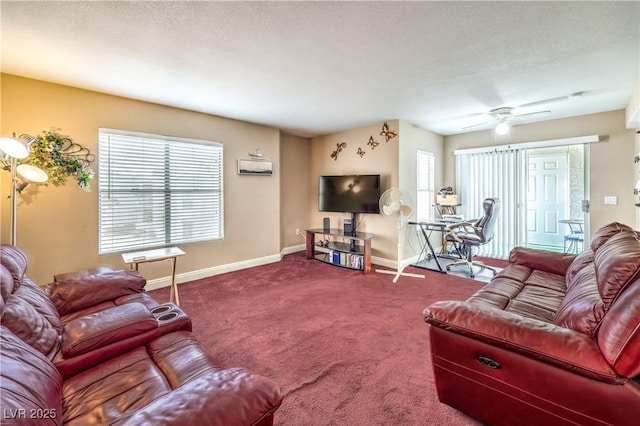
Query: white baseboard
point(249, 263)
point(392, 263)
point(381, 261)
point(293, 249)
point(210, 272)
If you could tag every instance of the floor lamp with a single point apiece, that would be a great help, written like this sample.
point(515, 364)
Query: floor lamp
point(11, 150)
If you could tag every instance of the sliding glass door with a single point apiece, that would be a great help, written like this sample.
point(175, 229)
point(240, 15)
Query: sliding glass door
point(542, 191)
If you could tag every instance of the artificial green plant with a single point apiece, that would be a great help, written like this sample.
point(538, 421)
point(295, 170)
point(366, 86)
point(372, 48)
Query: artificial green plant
point(61, 158)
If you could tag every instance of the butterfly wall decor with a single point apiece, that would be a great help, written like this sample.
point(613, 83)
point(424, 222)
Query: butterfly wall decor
point(388, 134)
point(340, 146)
point(372, 143)
point(361, 152)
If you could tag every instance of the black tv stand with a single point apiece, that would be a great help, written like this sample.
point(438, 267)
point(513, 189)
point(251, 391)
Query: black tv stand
point(354, 217)
point(320, 252)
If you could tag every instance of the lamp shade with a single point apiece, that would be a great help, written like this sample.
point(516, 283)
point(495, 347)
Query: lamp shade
point(31, 174)
point(14, 148)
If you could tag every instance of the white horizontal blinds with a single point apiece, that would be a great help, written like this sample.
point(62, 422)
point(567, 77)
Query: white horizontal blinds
point(425, 186)
point(491, 174)
point(156, 191)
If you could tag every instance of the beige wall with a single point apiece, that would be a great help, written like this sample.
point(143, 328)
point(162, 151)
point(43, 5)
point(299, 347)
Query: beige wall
point(382, 160)
point(295, 189)
point(612, 169)
point(394, 160)
point(57, 226)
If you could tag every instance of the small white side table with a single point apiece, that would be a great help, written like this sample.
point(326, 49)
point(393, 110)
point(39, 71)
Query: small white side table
point(155, 255)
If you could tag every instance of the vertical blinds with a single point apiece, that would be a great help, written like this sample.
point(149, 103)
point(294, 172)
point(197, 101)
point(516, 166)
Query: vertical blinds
point(426, 186)
point(492, 174)
point(156, 191)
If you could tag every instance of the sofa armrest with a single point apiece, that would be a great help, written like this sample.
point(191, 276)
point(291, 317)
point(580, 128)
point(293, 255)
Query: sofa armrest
point(536, 339)
point(223, 397)
point(84, 291)
point(556, 263)
point(169, 318)
point(94, 331)
point(83, 273)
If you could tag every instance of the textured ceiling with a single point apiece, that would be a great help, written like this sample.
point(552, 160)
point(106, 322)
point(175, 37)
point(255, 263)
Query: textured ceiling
point(314, 68)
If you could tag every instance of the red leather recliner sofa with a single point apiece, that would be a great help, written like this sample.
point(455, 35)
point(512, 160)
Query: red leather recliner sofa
point(553, 339)
point(95, 349)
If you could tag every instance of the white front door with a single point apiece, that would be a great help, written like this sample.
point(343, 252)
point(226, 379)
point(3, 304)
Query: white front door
point(547, 198)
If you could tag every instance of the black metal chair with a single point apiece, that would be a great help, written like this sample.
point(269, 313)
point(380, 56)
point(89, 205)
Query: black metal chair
point(470, 234)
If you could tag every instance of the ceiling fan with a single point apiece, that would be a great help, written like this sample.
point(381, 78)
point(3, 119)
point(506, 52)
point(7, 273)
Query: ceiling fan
point(504, 116)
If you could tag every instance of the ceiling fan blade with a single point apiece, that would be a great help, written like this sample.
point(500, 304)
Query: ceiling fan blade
point(552, 100)
point(544, 102)
point(475, 125)
point(530, 114)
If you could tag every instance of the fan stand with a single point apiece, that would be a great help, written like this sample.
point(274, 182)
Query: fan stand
point(398, 272)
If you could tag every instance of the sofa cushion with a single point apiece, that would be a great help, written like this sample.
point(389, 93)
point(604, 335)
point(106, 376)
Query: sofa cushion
point(595, 280)
point(616, 263)
point(142, 298)
point(6, 287)
point(29, 383)
point(580, 263)
point(603, 234)
point(619, 333)
point(85, 291)
point(83, 273)
point(103, 394)
point(100, 329)
point(172, 382)
point(581, 308)
point(15, 261)
point(555, 263)
point(532, 293)
point(31, 316)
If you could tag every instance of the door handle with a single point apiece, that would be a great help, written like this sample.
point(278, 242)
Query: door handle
point(585, 206)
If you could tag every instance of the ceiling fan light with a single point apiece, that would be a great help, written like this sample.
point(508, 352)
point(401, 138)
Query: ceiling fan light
point(503, 128)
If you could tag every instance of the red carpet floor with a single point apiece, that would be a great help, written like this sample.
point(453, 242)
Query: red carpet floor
point(346, 349)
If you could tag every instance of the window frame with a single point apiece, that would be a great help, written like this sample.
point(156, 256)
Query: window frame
point(171, 190)
point(430, 216)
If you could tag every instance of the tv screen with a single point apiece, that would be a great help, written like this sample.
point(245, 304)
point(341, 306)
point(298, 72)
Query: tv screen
point(349, 194)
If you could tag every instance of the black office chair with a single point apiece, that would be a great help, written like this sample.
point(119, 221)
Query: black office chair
point(467, 235)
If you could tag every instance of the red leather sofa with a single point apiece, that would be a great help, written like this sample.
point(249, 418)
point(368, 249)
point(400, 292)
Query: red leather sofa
point(553, 339)
point(95, 349)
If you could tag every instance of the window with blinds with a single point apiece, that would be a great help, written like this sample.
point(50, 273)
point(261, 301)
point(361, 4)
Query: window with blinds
point(426, 186)
point(157, 191)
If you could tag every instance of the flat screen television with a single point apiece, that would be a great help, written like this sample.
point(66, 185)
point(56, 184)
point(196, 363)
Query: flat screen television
point(349, 194)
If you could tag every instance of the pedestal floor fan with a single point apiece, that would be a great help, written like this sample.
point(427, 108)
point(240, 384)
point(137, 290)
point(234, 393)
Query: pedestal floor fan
point(398, 203)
